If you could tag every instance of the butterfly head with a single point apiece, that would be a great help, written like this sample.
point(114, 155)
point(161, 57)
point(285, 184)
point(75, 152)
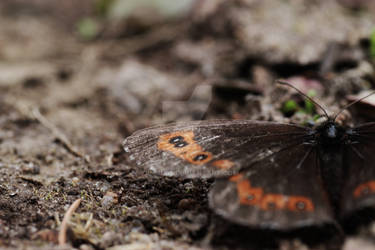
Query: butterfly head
point(330, 133)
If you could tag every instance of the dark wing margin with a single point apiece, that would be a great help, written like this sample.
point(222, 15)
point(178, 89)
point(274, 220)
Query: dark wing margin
point(207, 149)
point(359, 158)
point(283, 192)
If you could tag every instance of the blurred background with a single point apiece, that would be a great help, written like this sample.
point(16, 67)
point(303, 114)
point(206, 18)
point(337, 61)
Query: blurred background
point(77, 77)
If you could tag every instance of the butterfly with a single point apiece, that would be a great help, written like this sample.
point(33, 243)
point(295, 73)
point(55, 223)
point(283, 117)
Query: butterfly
point(269, 175)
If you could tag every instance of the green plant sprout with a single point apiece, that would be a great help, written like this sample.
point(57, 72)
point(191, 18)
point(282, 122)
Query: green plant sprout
point(372, 44)
point(309, 106)
point(291, 107)
point(87, 28)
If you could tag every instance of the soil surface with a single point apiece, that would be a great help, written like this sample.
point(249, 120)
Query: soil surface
point(77, 77)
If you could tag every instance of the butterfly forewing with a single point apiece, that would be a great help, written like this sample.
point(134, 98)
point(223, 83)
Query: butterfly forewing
point(210, 148)
point(281, 191)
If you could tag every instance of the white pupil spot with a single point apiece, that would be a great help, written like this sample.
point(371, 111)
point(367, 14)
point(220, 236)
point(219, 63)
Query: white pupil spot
point(271, 205)
point(178, 142)
point(366, 190)
point(200, 157)
point(176, 139)
point(300, 205)
point(181, 144)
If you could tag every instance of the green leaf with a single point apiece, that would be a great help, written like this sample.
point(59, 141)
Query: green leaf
point(316, 117)
point(309, 105)
point(87, 28)
point(372, 44)
point(311, 93)
point(289, 106)
point(102, 6)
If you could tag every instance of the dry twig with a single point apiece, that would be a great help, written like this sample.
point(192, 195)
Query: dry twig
point(58, 134)
point(64, 224)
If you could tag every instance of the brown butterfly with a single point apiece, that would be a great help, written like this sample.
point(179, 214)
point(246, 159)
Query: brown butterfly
point(269, 175)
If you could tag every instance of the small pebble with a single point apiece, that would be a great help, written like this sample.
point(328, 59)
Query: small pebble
point(186, 204)
point(109, 199)
point(358, 243)
point(108, 239)
point(75, 181)
point(30, 168)
point(86, 247)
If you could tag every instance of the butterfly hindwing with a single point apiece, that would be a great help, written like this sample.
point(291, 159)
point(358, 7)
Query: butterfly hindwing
point(359, 188)
point(281, 191)
point(209, 148)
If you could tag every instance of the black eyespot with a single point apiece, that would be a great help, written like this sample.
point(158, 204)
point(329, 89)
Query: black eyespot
point(176, 139)
point(180, 144)
point(250, 197)
point(300, 205)
point(271, 205)
point(200, 157)
point(365, 191)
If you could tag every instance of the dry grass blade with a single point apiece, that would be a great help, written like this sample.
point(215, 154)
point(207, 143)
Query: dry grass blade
point(64, 224)
point(58, 134)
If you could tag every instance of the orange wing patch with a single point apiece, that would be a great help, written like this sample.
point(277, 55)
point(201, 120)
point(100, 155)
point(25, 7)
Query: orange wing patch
point(273, 201)
point(236, 178)
point(183, 145)
point(300, 203)
point(249, 195)
point(223, 164)
point(364, 189)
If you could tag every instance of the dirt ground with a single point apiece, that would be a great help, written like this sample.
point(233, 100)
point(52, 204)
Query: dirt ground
point(77, 77)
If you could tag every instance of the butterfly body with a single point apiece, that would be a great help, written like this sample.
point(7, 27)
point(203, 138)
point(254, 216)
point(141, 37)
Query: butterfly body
point(268, 174)
point(329, 142)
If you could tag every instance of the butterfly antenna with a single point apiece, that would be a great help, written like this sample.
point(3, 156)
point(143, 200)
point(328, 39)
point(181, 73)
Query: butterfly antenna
point(351, 104)
point(304, 95)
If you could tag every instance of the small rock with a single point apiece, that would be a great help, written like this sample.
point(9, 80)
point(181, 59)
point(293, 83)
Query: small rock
point(109, 199)
point(108, 239)
point(86, 247)
point(358, 243)
point(46, 235)
point(75, 181)
point(134, 83)
point(30, 168)
point(186, 204)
